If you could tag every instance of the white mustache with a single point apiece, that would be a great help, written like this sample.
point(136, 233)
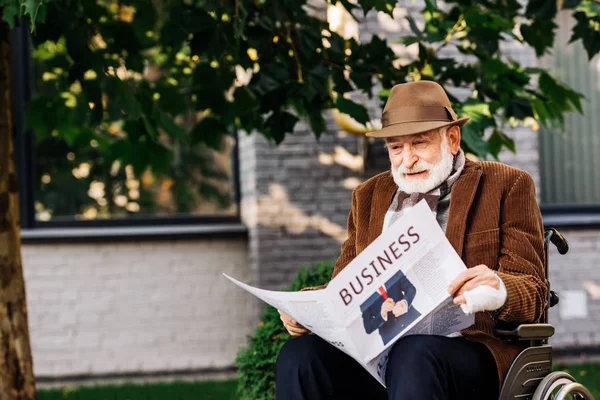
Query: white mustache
point(420, 166)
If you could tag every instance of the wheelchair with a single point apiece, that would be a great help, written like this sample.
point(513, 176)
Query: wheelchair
point(530, 376)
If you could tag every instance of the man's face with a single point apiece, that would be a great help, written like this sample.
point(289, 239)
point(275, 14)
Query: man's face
point(422, 162)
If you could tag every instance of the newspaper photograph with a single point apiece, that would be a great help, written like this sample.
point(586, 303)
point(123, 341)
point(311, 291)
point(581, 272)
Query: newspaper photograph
point(396, 286)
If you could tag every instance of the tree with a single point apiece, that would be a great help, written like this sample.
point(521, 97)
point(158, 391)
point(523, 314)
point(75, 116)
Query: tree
point(174, 74)
point(16, 370)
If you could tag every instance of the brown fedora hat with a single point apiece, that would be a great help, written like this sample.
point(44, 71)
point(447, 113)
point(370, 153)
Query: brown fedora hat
point(416, 107)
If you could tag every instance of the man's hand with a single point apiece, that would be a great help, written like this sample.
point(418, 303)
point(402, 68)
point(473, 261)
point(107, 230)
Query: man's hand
point(470, 279)
point(400, 308)
point(292, 326)
point(386, 307)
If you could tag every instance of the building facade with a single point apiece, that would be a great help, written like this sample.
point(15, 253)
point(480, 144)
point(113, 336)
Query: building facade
point(152, 300)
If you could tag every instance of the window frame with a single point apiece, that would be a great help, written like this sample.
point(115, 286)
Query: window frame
point(571, 215)
point(136, 226)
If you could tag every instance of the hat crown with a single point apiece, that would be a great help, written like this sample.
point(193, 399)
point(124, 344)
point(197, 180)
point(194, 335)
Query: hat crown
point(416, 107)
point(417, 94)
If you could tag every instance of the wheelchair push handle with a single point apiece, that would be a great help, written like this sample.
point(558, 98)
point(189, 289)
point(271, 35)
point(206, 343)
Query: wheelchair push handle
point(558, 240)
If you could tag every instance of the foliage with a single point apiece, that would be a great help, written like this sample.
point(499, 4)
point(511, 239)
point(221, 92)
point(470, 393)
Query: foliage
point(503, 92)
point(256, 363)
point(156, 83)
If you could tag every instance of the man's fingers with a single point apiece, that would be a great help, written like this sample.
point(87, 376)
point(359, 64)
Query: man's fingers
point(291, 325)
point(287, 319)
point(470, 285)
point(296, 330)
point(460, 280)
point(291, 322)
point(465, 276)
point(458, 300)
point(487, 279)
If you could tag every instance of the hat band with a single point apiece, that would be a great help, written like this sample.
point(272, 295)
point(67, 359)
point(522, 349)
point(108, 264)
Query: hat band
point(417, 114)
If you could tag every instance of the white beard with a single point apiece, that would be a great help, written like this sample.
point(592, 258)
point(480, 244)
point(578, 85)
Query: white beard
point(438, 172)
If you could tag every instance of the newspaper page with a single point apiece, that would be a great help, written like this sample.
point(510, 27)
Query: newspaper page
point(395, 287)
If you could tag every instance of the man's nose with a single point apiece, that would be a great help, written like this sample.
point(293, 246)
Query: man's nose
point(409, 158)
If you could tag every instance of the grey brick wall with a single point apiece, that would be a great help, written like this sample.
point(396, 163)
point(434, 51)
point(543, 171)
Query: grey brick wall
point(135, 307)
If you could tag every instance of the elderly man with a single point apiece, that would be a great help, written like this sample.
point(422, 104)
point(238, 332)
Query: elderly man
point(490, 215)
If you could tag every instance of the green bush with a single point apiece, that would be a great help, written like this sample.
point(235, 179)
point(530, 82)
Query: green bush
point(256, 363)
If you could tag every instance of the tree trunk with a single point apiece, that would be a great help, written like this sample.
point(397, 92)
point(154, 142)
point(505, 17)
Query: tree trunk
point(16, 369)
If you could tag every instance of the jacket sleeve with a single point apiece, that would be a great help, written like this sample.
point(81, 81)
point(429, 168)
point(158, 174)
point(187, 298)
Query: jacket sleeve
point(522, 258)
point(372, 319)
point(402, 289)
point(348, 248)
point(409, 290)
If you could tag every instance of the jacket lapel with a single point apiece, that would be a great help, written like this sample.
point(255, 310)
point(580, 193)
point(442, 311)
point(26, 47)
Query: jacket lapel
point(383, 194)
point(461, 199)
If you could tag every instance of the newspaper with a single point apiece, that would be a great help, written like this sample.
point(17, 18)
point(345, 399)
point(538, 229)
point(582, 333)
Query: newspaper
point(395, 287)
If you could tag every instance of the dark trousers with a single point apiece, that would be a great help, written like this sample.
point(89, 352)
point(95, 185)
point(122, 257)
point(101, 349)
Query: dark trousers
point(419, 367)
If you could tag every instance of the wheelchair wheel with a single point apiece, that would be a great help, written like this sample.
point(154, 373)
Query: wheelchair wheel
point(561, 386)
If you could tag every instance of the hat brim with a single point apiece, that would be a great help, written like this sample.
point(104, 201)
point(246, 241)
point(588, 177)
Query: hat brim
point(413, 128)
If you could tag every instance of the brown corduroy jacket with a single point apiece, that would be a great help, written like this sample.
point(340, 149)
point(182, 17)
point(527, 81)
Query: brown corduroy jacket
point(494, 219)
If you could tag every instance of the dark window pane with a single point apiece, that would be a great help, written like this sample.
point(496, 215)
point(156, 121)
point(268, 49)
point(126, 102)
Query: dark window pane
point(114, 139)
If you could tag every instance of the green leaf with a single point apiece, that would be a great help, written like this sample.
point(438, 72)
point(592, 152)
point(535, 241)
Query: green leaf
point(571, 4)
point(209, 131)
point(317, 122)
point(413, 26)
point(561, 98)
point(387, 6)
point(9, 13)
point(280, 123)
point(266, 84)
point(150, 129)
point(541, 112)
point(519, 107)
point(474, 142)
point(541, 9)
point(584, 30)
point(356, 111)
point(408, 40)
point(169, 125)
point(497, 141)
point(431, 5)
point(363, 81)
point(539, 34)
point(341, 85)
point(31, 8)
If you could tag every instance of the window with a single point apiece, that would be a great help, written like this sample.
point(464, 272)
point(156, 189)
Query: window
point(80, 177)
point(570, 162)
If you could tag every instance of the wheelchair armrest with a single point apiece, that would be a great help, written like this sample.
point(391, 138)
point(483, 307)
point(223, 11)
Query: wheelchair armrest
point(526, 332)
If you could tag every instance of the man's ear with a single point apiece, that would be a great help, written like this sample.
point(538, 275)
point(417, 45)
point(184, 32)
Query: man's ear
point(453, 134)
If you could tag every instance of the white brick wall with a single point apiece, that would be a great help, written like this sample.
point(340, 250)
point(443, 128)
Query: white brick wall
point(136, 307)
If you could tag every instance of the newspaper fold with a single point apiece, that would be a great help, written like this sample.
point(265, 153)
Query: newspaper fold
point(396, 287)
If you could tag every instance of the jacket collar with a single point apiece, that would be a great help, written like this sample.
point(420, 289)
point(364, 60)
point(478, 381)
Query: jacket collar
point(461, 198)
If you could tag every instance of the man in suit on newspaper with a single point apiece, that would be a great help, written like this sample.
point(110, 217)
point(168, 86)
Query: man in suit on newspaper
point(490, 216)
point(390, 310)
